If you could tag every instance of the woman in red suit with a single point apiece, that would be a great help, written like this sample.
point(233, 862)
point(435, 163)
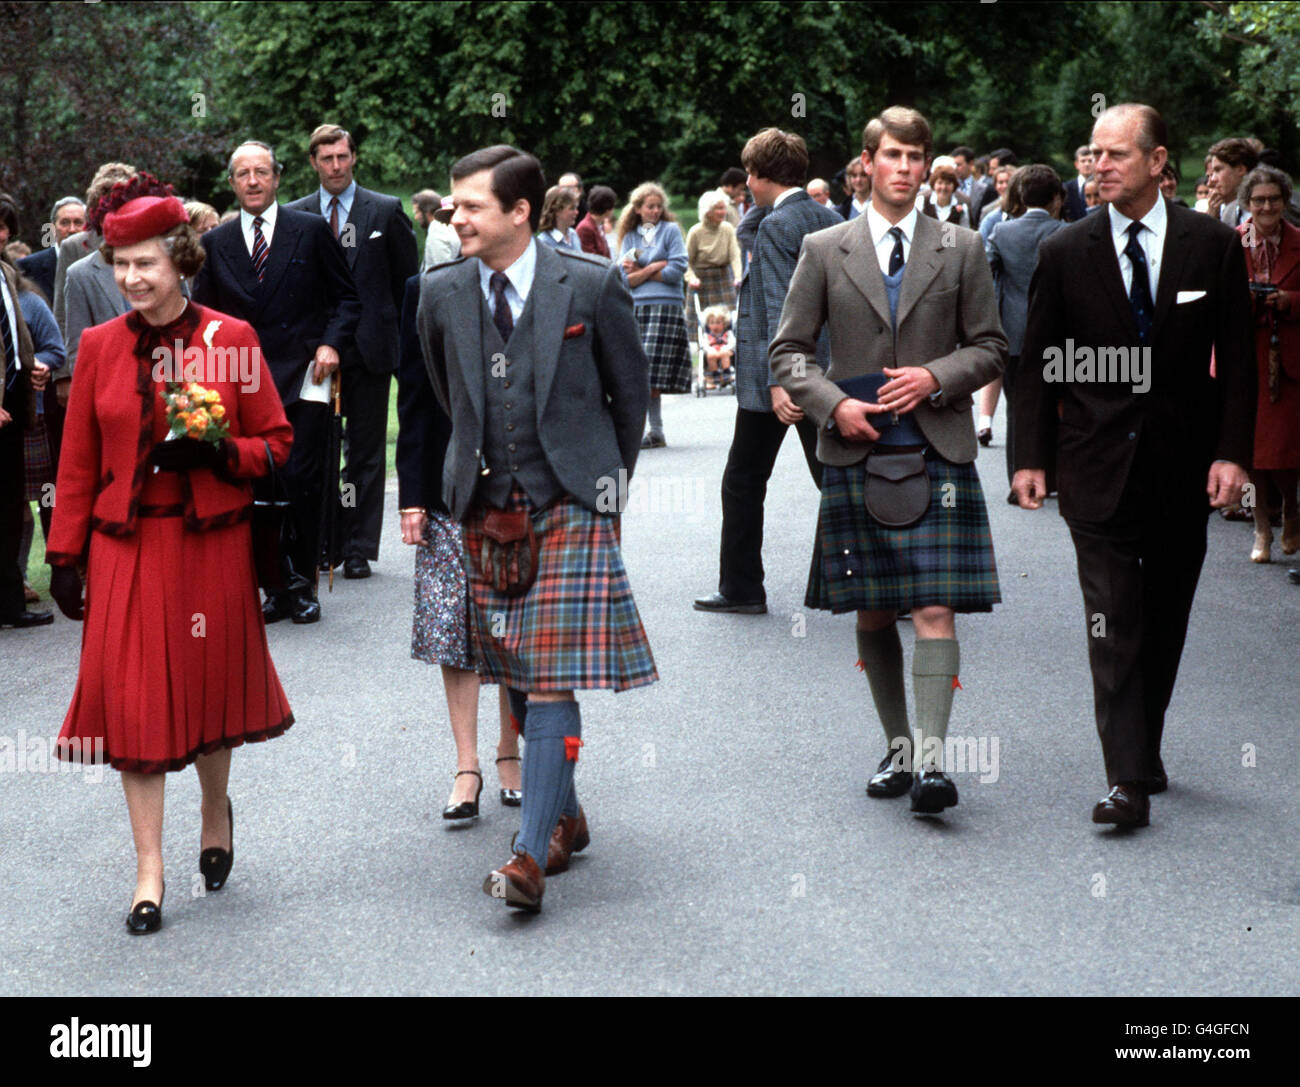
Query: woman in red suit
point(174, 662)
point(1273, 258)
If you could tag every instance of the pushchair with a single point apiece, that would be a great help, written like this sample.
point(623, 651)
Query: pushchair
point(695, 321)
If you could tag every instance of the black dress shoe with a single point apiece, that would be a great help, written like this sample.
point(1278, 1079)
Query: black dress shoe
point(889, 782)
point(1126, 805)
point(146, 916)
point(718, 602)
point(279, 605)
point(932, 791)
point(356, 568)
point(215, 863)
point(27, 619)
point(306, 608)
point(466, 809)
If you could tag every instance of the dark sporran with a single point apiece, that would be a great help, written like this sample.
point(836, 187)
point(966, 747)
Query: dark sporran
point(507, 559)
point(897, 492)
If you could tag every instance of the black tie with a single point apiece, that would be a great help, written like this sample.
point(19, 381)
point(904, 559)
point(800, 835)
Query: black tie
point(1139, 293)
point(11, 352)
point(501, 316)
point(896, 257)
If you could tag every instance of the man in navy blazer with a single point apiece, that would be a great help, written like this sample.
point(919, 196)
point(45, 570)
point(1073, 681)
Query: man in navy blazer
point(283, 272)
point(777, 163)
point(379, 247)
point(1075, 205)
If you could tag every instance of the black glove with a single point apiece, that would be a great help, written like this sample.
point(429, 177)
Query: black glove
point(65, 587)
point(184, 454)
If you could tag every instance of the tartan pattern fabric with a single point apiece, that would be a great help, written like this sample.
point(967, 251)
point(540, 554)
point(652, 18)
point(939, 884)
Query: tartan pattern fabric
point(578, 626)
point(667, 346)
point(946, 558)
point(716, 287)
point(38, 463)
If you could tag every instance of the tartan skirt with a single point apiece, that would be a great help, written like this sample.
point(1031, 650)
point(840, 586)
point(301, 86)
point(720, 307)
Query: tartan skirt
point(946, 558)
point(667, 346)
point(38, 463)
point(716, 287)
point(577, 628)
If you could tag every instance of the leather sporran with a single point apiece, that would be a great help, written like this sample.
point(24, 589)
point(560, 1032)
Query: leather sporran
point(897, 488)
point(507, 558)
point(269, 513)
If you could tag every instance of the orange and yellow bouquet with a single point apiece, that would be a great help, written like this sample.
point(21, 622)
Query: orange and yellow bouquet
point(195, 412)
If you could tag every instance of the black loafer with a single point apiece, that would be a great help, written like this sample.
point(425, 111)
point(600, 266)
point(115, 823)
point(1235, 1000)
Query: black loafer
point(718, 602)
point(279, 605)
point(889, 781)
point(215, 863)
point(146, 916)
point(356, 568)
point(932, 791)
point(27, 619)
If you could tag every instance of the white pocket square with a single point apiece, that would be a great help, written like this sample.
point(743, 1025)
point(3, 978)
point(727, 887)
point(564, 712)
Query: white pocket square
point(380, 234)
point(1188, 296)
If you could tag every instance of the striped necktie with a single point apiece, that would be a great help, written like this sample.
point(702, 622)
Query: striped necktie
point(260, 249)
point(11, 347)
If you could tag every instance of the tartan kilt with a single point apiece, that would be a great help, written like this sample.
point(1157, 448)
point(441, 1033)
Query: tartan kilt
point(715, 287)
point(38, 462)
point(946, 558)
point(577, 628)
point(667, 346)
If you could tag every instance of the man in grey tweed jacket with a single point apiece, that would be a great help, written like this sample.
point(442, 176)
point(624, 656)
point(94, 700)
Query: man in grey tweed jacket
point(777, 163)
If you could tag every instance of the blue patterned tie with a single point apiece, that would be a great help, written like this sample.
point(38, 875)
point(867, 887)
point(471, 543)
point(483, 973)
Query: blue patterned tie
point(11, 352)
point(1139, 293)
point(501, 315)
point(896, 257)
point(260, 249)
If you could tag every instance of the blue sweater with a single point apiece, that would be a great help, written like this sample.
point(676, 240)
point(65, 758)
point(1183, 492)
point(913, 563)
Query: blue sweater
point(668, 245)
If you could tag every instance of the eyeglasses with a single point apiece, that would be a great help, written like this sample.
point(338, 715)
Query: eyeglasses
point(1267, 201)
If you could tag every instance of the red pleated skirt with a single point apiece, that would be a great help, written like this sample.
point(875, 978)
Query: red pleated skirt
point(174, 660)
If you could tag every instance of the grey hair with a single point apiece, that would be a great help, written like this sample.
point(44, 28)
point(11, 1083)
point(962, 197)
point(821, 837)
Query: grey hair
point(275, 162)
point(63, 202)
point(1264, 175)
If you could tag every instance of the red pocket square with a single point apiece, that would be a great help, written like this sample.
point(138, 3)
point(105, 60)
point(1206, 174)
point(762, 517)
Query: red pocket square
point(574, 331)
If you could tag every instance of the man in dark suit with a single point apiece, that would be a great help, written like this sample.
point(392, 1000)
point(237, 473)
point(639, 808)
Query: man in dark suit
point(284, 273)
point(68, 217)
point(1124, 309)
point(1075, 206)
point(535, 355)
point(985, 191)
point(379, 245)
point(777, 163)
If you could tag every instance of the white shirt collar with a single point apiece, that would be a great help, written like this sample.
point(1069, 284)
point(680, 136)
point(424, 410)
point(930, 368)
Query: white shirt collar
point(268, 219)
point(778, 201)
point(1154, 220)
point(880, 226)
point(862, 205)
point(520, 274)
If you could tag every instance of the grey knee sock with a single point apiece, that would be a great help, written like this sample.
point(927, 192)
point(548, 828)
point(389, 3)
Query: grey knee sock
point(656, 415)
point(553, 729)
point(935, 663)
point(881, 654)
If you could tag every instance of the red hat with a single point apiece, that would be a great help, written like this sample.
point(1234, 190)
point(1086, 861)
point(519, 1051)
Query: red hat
point(142, 218)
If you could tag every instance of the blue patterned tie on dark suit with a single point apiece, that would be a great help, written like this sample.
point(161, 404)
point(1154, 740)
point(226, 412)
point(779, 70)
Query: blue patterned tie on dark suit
point(1139, 293)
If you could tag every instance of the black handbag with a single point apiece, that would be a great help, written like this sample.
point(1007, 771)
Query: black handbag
point(268, 527)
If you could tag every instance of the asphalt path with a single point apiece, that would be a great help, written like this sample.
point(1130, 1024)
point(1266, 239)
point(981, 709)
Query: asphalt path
point(733, 848)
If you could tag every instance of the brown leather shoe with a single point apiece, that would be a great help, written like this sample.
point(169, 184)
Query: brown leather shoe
point(1126, 805)
point(569, 837)
point(519, 881)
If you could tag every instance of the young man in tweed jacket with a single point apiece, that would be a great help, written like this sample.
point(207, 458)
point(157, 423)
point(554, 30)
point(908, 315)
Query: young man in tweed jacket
point(903, 296)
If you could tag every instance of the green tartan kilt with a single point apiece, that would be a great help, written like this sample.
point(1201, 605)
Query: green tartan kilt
point(946, 558)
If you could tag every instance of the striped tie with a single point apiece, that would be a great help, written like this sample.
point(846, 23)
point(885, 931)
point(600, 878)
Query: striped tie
point(11, 349)
point(260, 249)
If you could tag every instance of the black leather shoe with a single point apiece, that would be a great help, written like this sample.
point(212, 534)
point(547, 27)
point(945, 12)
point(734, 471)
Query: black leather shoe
point(466, 809)
point(1126, 805)
point(306, 608)
point(215, 863)
point(356, 568)
point(889, 782)
point(718, 602)
point(511, 798)
point(27, 619)
point(279, 605)
point(932, 791)
point(146, 916)
point(653, 441)
point(985, 435)
point(1159, 781)
point(1293, 576)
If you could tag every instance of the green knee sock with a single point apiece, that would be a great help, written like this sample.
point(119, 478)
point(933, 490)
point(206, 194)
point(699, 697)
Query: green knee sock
point(881, 654)
point(934, 666)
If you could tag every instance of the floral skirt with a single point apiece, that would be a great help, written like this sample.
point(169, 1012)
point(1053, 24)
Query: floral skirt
point(440, 631)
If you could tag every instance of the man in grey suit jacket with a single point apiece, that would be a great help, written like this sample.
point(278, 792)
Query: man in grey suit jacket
point(90, 297)
point(535, 355)
point(1012, 249)
point(912, 301)
point(379, 246)
point(777, 163)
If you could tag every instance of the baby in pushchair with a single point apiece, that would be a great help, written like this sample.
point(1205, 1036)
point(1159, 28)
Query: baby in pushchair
point(718, 345)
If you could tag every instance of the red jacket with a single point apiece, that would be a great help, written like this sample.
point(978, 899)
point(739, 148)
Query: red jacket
point(108, 435)
point(592, 235)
